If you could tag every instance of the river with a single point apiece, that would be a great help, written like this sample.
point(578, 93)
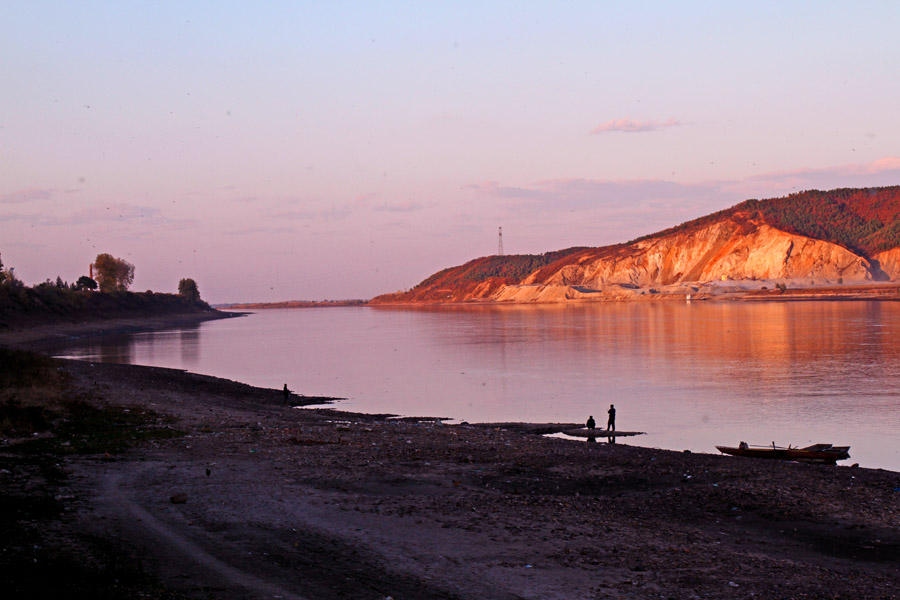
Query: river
point(690, 375)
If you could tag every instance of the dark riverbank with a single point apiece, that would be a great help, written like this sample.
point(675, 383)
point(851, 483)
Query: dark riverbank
point(316, 503)
point(43, 333)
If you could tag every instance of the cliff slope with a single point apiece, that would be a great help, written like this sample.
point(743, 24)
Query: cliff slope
point(811, 237)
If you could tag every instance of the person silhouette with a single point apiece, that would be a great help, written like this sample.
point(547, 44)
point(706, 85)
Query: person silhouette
point(287, 393)
point(590, 422)
point(611, 423)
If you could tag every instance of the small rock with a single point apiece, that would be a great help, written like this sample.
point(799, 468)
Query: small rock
point(179, 498)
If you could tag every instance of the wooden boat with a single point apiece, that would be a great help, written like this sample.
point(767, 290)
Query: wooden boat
point(819, 453)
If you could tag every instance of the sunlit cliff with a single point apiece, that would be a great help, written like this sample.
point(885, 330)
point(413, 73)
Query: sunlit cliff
point(806, 239)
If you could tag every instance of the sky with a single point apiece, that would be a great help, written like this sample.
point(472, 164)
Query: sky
point(335, 150)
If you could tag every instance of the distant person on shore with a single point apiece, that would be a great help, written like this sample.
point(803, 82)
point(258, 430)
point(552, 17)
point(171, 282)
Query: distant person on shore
point(611, 423)
point(287, 393)
point(590, 422)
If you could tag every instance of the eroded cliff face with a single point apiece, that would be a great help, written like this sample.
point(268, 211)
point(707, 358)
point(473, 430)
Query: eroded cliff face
point(732, 255)
point(729, 249)
point(889, 263)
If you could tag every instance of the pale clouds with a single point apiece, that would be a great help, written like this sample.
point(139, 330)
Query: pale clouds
point(115, 212)
point(596, 212)
point(881, 172)
point(401, 207)
point(583, 193)
point(330, 213)
point(27, 195)
point(580, 193)
point(889, 163)
point(623, 209)
point(628, 125)
point(126, 215)
point(261, 230)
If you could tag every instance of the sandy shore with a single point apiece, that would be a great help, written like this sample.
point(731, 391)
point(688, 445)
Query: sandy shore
point(284, 502)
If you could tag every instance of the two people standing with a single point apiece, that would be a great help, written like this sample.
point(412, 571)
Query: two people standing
point(610, 423)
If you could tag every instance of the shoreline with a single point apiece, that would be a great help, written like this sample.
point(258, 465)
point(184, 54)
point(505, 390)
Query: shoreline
point(257, 499)
point(729, 291)
point(46, 335)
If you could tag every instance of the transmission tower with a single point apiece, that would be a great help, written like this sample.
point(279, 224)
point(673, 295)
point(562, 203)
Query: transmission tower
point(499, 241)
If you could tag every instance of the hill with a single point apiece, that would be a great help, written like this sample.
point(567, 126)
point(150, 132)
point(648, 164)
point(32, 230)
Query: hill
point(809, 238)
point(479, 278)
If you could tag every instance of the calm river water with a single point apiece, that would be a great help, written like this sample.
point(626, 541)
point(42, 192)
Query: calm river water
point(690, 375)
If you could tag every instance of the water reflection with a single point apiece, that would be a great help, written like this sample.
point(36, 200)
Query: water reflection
point(189, 346)
point(178, 348)
point(690, 375)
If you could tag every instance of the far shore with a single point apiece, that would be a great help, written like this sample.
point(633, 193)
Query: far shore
point(715, 291)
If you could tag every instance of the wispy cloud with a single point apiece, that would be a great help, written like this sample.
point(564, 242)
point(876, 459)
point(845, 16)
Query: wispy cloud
point(626, 208)
point(608, 211)
point(252, 231)
point(579, 193)
point(582, 192)
point(881, 172)
point(331, 213)
point(399, 207)
point(628, 125)
point(144, 217)
point(115, 212)
point(27, 195)
point(889, 163)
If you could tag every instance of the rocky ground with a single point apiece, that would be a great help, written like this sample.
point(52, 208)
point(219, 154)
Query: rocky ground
point(226, 492)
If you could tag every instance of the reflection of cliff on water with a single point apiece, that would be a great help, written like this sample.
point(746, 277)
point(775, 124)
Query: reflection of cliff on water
point(784, 335)
point(777, 350)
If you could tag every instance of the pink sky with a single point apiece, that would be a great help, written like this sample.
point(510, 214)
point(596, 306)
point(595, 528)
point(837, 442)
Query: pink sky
point(280, 152)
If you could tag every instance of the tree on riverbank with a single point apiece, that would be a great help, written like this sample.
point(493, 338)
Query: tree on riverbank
point(113, 274)
point(187, 288)
point(85, 283)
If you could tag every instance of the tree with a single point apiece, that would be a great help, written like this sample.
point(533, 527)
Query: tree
point(85, 283)
point(8, 277)
point(113, 274)
point(188, 289)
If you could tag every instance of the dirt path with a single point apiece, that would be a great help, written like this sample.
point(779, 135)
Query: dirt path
point(171, 537)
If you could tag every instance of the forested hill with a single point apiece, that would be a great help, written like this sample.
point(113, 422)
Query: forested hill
point(865, 220)
point(480, 277)
point(854, 234)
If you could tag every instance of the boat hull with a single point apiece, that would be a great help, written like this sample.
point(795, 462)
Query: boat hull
point(818, 453)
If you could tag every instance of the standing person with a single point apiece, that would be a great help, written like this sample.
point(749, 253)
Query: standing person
point(287, 393)
point(611, 424)
point(590, 422)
